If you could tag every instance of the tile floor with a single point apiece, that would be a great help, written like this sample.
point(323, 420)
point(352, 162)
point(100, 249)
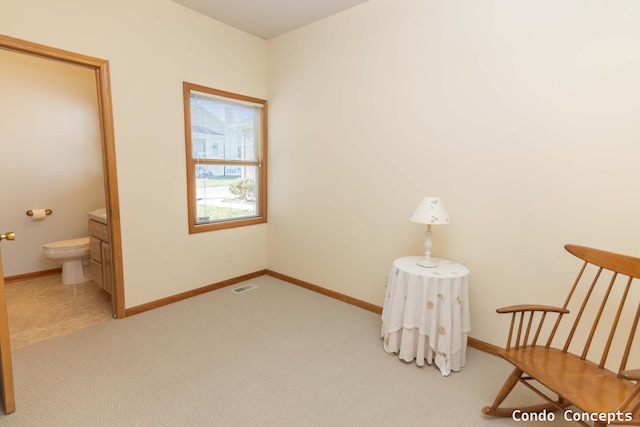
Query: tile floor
point(43, 308)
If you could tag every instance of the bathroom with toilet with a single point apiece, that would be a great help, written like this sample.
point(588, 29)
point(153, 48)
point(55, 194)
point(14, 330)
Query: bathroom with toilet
point(57, 161)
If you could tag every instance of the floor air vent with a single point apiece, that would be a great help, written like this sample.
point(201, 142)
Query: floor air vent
point(244, 288)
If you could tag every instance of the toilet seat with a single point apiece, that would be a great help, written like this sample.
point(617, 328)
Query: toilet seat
point(61, 245)
point(74, 255)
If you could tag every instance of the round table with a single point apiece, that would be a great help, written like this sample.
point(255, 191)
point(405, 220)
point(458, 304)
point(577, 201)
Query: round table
point(426, 313)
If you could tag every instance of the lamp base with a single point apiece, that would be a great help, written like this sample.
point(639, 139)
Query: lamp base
point(427, 262)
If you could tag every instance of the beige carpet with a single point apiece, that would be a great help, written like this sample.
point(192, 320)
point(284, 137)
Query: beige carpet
point(277, 355)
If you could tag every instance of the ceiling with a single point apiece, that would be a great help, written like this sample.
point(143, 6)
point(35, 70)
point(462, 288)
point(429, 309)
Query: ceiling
point(268, 18)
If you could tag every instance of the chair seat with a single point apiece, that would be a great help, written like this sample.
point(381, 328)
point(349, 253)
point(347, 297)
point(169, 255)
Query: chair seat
point(579, 381)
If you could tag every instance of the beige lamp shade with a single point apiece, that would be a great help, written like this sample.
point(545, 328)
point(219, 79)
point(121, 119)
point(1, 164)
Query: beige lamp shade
point(430, 211)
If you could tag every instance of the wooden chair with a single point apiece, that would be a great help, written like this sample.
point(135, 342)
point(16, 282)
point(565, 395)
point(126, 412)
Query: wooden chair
point(597, 336)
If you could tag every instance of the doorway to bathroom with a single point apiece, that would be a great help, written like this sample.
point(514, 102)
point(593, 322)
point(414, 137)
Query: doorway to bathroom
point(101, 71)
point(106, 194)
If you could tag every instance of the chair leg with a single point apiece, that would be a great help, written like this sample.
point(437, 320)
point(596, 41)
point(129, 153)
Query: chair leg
point(508, 385)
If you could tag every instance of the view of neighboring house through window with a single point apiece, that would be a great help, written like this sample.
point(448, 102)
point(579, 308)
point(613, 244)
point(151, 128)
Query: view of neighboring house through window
point(226, 158)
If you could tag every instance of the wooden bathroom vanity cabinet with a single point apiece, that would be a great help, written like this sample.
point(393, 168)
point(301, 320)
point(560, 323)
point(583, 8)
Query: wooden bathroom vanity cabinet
point(100, 255)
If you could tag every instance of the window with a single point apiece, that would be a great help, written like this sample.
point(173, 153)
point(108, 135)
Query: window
point(226, 141)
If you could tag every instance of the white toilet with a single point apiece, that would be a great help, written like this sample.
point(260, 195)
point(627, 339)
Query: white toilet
point(74, 254)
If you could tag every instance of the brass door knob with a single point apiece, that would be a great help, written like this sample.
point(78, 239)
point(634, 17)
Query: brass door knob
point(9, 236)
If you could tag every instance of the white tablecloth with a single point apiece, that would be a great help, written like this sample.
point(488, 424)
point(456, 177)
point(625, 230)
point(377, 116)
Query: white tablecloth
point(426, 313)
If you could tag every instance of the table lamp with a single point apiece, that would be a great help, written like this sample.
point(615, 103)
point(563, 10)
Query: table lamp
point(430, 211)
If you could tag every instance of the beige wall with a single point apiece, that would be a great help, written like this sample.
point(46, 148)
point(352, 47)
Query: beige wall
point(51, 156)
point(522, 116)
point(152, 47)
